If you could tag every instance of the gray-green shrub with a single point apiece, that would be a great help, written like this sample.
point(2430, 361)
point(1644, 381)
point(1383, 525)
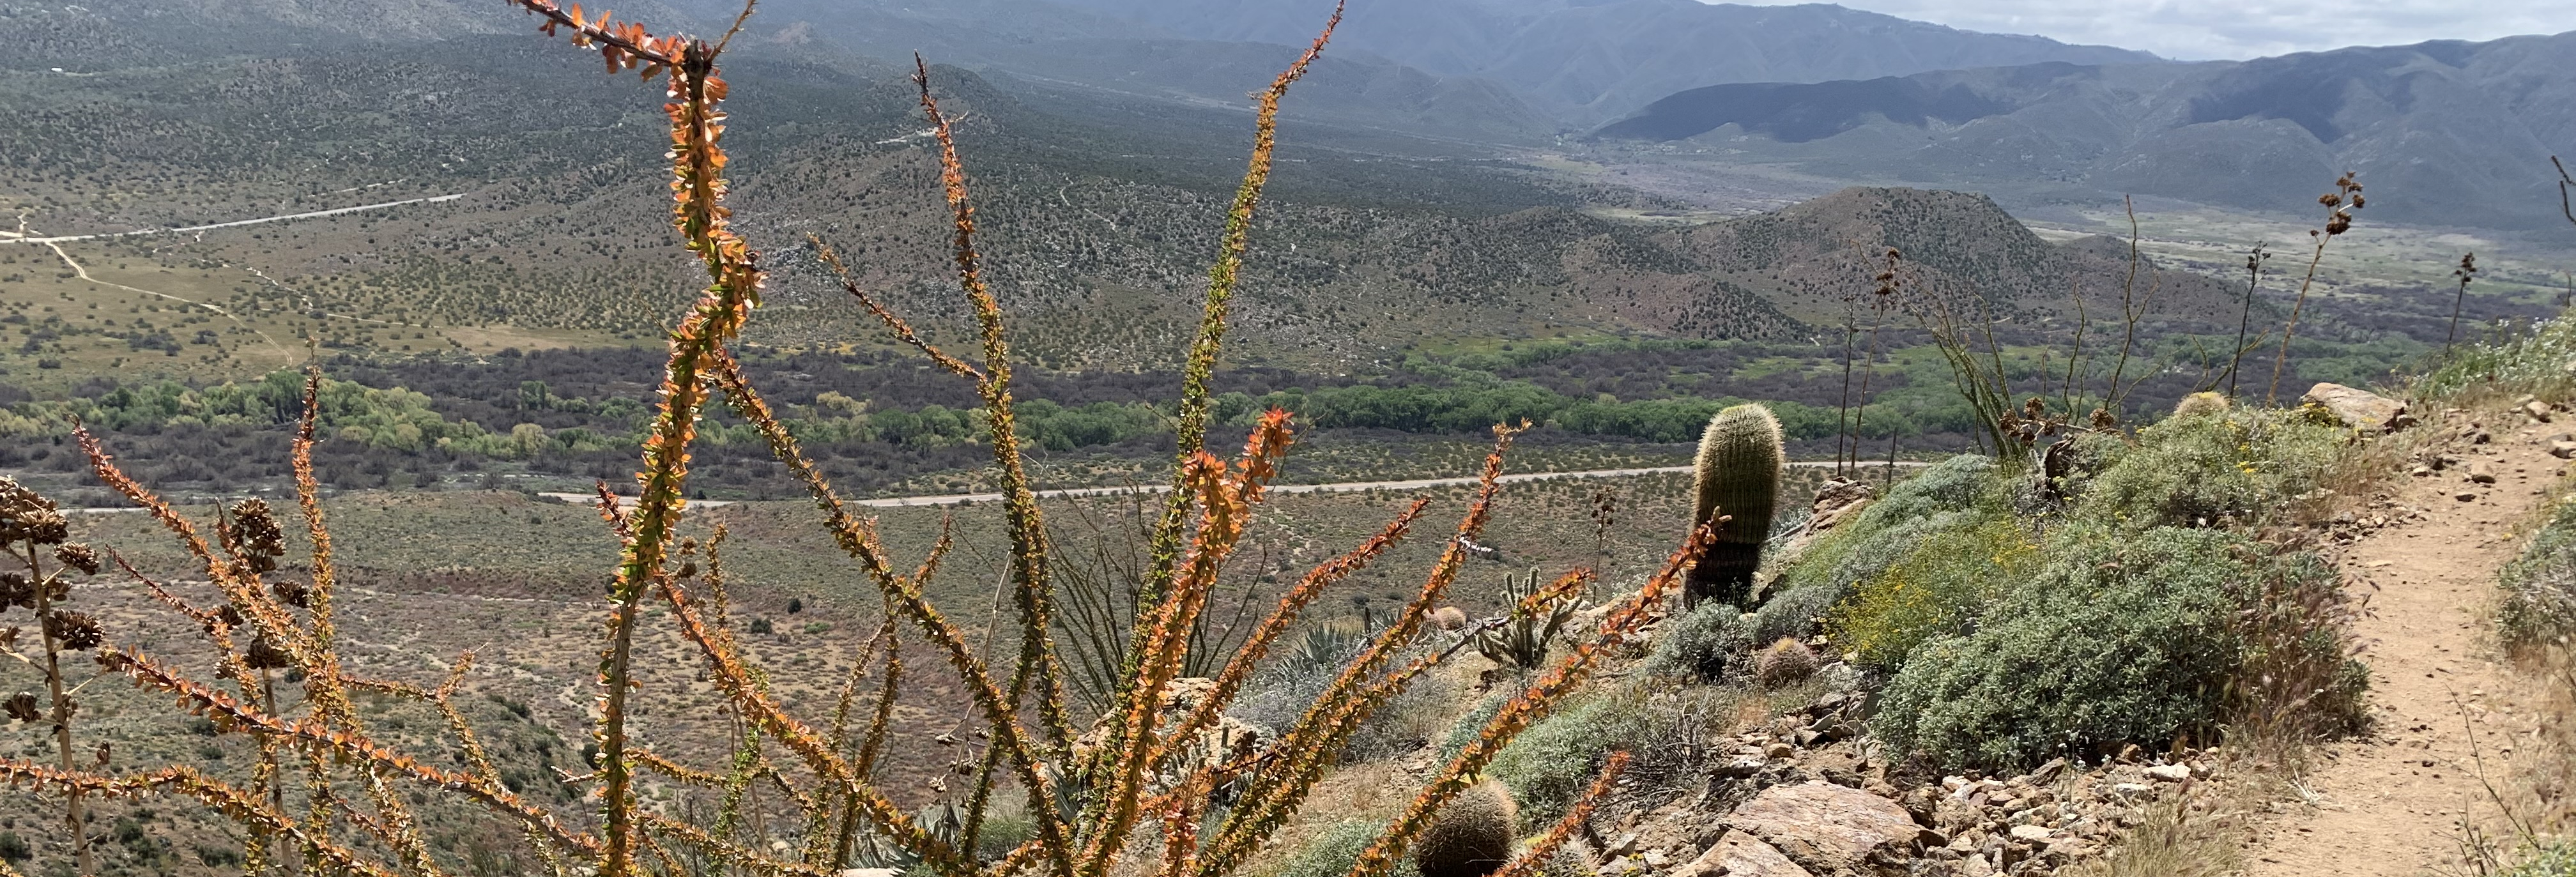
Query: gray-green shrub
point(1336, 849)
point(2540, 586)
point(1704, 643)
point(2238, 466)
point(2122, 636)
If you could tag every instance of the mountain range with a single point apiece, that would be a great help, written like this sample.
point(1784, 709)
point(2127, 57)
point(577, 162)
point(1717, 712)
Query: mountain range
point(2442, 133)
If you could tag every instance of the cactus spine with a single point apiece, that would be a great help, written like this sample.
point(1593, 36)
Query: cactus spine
point(1471, 836)
point(1738, 475)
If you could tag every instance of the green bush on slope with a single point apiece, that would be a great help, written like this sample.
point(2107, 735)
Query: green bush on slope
point(2122, 636)
point(2237, 466)
point(2540, 586)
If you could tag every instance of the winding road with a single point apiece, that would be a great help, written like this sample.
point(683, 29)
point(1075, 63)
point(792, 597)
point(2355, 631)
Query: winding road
point(23, 238)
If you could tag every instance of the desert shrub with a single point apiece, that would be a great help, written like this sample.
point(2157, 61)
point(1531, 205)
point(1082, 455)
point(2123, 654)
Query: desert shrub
point(1793, 613)
point(1332, 852)
point(1938, 589)
point(1883, 532)
point(1464, 730)
point(2540, 586)
point(2557, 859)
point(2236, 466)
point(1556, 758)
point(1702, 643)
point(1548, 767)
point(2525, 358)
point(2122, 636)
point(1007, 824)
point(1954, 495)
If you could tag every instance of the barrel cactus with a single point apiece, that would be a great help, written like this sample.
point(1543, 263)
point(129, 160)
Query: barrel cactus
point(1738, 476)
point(1471, 836)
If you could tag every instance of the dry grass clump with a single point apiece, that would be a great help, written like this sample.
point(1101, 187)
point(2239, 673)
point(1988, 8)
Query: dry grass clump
point(1153, 780)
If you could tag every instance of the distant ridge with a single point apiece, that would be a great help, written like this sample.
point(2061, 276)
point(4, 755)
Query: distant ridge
point(2444, 132)
point(1589, 61)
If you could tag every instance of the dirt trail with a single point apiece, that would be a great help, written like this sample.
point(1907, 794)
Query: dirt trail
point(2390, 804)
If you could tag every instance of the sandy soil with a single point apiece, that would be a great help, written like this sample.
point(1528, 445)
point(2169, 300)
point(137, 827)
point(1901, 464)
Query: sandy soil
point(2445, 704)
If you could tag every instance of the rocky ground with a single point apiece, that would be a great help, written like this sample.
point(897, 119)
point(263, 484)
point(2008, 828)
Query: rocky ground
point(1812, 796)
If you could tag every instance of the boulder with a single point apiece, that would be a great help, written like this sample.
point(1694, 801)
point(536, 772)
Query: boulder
point(1741, 855)
point(1829, 829)
point(2359, 409)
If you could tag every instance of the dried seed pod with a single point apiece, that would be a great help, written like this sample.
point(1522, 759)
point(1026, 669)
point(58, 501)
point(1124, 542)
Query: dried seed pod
point(78, 556)
point(256, 535)
point(15, 590)
point(45, 527)
point(20, 706)
point(26, 516)
point(292, 593)
point(75, 630)
point(262, 655)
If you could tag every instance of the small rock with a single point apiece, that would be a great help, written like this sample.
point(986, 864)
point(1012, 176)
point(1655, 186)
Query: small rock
point(1627, 843)
point(2071, 848)
point(1740, 768)
point(2465, 496)
point(1779, 750)
point(2171, 773)
point(2032, 833)
point(2564, 450)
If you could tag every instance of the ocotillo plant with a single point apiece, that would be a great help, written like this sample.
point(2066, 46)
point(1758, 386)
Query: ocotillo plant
point(1736, 486)
point(1129, 794)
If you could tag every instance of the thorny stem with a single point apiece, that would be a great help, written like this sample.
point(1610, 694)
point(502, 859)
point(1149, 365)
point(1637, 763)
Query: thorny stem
point(1197, 404)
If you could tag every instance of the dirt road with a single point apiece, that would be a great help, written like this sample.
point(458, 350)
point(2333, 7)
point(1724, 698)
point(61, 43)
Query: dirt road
point(2390, 804)
point(1342, 487)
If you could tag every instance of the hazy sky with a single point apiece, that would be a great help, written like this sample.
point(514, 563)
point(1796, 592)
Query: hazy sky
point(2207, 29)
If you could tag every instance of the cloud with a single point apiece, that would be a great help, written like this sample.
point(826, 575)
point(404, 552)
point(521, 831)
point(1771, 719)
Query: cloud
point(2236, 29)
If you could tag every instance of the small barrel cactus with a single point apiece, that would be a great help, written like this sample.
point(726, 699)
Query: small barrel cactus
point(1787, 662)
point(1471, 836)
point(1449, 618)
point(2200, 403)
point(1738, 476)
